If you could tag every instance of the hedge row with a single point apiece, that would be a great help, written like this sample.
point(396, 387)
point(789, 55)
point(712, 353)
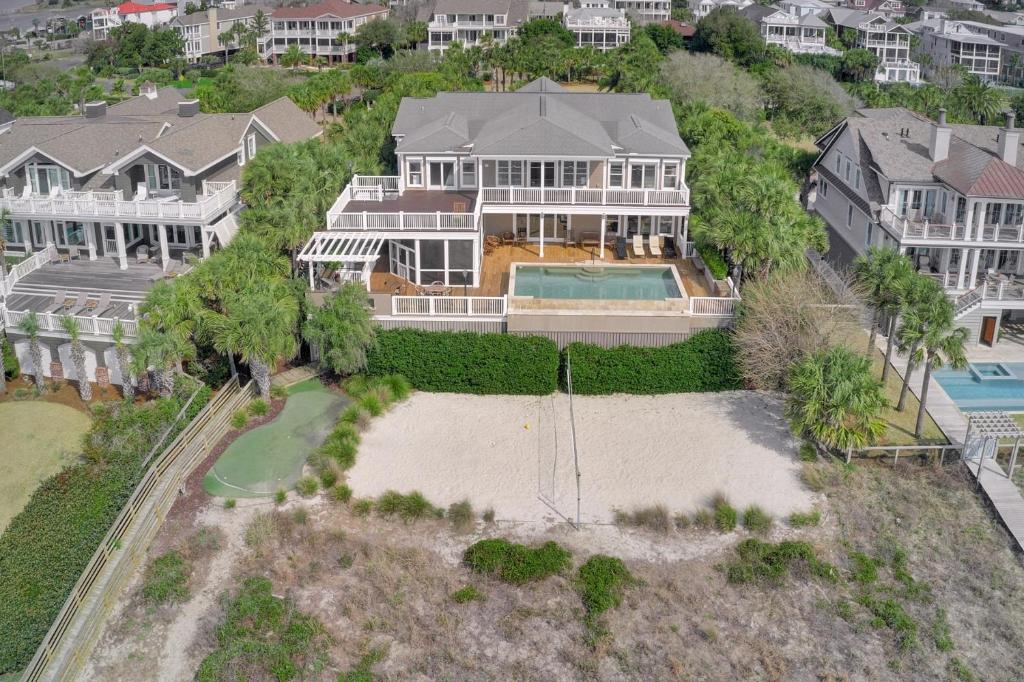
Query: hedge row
point(704, 362)
point(47, 546)
point(467, 362)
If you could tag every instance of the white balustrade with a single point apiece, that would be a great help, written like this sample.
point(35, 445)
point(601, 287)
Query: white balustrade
point(449, 306)
point(390, 222)
point(712, 306)
point(91, 326)
point(588, 196)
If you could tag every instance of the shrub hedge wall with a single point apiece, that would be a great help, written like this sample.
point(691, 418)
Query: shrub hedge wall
point(704, 362)
point(46, 546)
point(467, 362)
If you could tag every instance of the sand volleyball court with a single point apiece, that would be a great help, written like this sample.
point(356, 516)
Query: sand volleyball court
point(514, 453)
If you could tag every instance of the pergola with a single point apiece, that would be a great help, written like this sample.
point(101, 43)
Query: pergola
point(348, 248)
point(984, 430)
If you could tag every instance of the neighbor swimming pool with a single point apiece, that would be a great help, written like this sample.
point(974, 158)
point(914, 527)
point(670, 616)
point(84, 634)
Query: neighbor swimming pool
point(601, 282)
point(985, 386)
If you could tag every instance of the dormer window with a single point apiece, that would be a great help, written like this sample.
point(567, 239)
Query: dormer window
point(162, 176)
point(43, 178)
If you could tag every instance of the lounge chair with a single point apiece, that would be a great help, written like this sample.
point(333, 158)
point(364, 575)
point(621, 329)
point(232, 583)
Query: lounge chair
point(77, 306)
point(142, 254)
point(669, 246)
point(141, 192)
point(638, 246)
point(58, 302)
point(655, 244)
point(620, 248)
point(96, 308)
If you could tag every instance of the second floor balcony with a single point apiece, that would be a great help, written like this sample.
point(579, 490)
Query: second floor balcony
point(216, 198)
point(940, 230)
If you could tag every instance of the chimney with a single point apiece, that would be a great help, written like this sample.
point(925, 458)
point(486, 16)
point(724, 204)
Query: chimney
point(188, 109)
point(1009, 140)
point(939, 147)
point(148, 89)
point(95, 109)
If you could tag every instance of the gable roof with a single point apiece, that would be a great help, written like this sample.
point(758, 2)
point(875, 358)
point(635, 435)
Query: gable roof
point(541, 118)
point(137, 8)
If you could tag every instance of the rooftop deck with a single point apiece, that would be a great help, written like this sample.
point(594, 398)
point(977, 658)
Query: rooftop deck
point(419, 201)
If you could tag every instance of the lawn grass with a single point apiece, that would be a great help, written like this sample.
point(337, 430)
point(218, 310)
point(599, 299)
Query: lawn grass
point(39, 439)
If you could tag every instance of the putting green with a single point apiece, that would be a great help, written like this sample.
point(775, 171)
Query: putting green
point(270, 457)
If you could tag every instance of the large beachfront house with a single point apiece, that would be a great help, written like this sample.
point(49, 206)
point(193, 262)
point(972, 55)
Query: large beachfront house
point(323, 30)
point(950, 196)
point(469, 21)
point(201, 31)
point(955, 44)
point(487, 181)
point(796, 32)
point(103, 204)
point(889, 41)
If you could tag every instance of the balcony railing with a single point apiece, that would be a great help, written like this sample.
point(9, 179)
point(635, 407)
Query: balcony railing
point(926, 230)
point(30, 264)
point(621, 23)
point(92, 326)
point(218, 196)
point(454, 306)
point(437, 25)
point(713, 306)
point(584, 196)
point(401, 221)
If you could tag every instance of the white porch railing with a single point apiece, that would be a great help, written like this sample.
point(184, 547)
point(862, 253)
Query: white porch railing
point(92, 326)
point(402, 221)
point(584, 196)
point(713, 306)
point(374, 187)
point(457, 306)
point(30, 264)
point(111, 205)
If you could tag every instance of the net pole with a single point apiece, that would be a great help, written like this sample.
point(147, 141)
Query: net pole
point(572, 432)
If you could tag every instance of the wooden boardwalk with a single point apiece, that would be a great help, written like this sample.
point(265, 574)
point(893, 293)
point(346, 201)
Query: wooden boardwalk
point(295, 375)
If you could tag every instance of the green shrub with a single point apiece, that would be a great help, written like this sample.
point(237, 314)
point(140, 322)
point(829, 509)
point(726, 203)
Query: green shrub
point(356, 386)
point(230, 503)
point(865, 568)
point(704, 519)
point(714, 260)
point(767, 563)
point(45, 548)
point(328, 475)
point(280, 496)
point(341, 446)
point(890, 613)
point(466, 362)
point(267, 637)
point(756, 520)
point(350, 415)
point(462, 516)
point(363, 670)
point(362, 507)
point(239, 419)
point(515, 563)
point(372, 403)
point(725, 514)
point(467, 594)
point(411, 507)
point(803, 519)
point(11, 367)
point(656, 518)
point(278, 392)
point(959, 670)
point(704, 362)
point(398, 386)
point(808, 453)
point(941, 632)
point(307, 486)
point(258, 407)
point(166, 579)
point(601, 582)
point(341, 493)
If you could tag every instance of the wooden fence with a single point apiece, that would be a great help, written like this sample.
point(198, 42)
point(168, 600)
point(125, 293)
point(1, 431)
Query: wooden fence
point(74, 633)
point(935, 454)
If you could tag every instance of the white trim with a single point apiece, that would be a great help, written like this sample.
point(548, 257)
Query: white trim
point(31, 151)
point(263, 126)
point(139, 151)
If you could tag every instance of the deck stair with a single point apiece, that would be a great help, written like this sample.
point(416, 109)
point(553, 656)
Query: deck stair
point(967, 302)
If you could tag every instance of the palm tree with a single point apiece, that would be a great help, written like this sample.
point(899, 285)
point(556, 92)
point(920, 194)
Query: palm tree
point(124, 361)
point(30, 325)
point(225, 38)
point(157, 352)
point(941, 343)
point(836, 399)
point(924, 301)
point(879, 272)
point(259, 325)
point(260, 24)
point(293, 57)
point(71, 327)
point(342, 39)
point(173, 308)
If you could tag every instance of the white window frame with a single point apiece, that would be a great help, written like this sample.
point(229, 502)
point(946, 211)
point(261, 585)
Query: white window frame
point(571, 176)
point(670, 176)
point(415, 173)
point(162, 176)
point(52, 172)
point(616, 168)
point(648, 174)
point(467, 173)
point(511, 172)
point(251, 140)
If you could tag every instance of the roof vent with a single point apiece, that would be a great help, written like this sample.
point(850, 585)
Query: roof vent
point(148, 89)
point(188, 109)
point(95, 109)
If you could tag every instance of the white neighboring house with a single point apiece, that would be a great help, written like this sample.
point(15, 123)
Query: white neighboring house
point(804, 7)
point(106, 18)
point(315, 29)
point(200, 30)
point(889, 41)
point(798, 34)
point(1011, 68)
point(468, 21)
point(646, 11)
point(601, 27)
point(702, 8)
point(955, 43)
point(950, 196)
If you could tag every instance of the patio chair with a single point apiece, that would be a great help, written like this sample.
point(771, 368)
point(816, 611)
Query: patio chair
point(638, 246)
point(95, 308)
point(74, 253)
point(655, 244)
point(669, 247)
point(620, 248)
point(63, 257)
point(142, 254)
point(58, 302)
point(141, 192)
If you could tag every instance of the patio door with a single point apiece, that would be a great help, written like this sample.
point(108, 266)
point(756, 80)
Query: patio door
point(988, 330)
point(403, 260)
point(441, 175)
point(542, 174)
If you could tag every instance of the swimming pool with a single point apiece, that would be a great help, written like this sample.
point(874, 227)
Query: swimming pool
point(985, 386)
point(601, 282)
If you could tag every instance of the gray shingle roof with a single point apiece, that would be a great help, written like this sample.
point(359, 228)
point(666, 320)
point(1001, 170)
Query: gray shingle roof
point(541, 118)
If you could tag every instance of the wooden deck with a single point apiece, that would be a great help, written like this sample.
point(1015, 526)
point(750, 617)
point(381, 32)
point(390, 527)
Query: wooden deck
point(496, 266)
point(1004, 496)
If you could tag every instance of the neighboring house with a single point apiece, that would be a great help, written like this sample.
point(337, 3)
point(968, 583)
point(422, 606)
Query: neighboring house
point(894, 9)
point(645, 11)
point(804, 7)
point(971, 5)
point(200, 30)
point(106, 18)
point(702, 8)
point(1011, 67)
point(950, 196)
point(954, 43)
point(105, 203)
point(315, 29)
point(799, 34)
point(889, 41)
point(469, 21)
point(603, 28)
point(488, 180)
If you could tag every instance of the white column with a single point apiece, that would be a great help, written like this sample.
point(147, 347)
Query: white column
point(1020, 263)
point(311, 265)
point(686, 234)
point(90, 239)
point(969, 220)
point(541, 235)
point(976, 253)
point(165, 252)
point(962, 276)
point(568, 226)
point(604, 226)
point(119, 238)
point(205, 236)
